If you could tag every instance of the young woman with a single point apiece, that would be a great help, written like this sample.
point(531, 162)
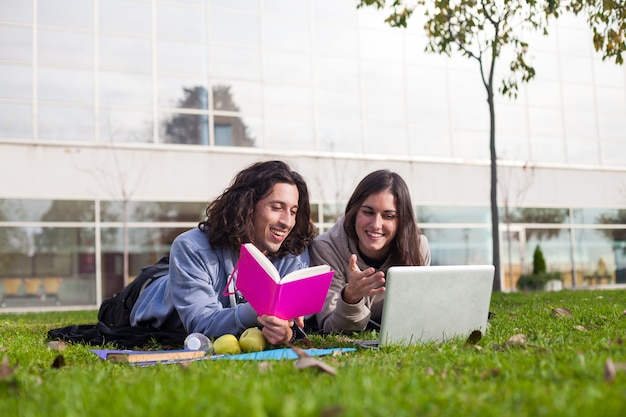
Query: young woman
point(266, 204)
point(377, 231)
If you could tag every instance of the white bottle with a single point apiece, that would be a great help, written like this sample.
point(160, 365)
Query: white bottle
point(198, 341)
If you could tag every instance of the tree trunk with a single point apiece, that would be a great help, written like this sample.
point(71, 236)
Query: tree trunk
point(495, 221)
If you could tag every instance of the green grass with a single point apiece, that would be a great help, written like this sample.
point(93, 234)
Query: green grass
point(558, 371)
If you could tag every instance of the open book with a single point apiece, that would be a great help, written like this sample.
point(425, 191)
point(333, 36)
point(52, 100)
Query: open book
point(145, 357)
point(299, 293)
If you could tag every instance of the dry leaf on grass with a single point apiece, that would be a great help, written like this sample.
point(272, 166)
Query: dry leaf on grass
point(561, 312)
point(59, 362)
point(56, 345)
point(474, 337)
point(332, 411)
point(581, 328)
point(618, 341)
point(264, 366)
point(609, 371)
point(6, 370)
point(492, 372)
point(517, 339)
point(311, 362)
point(306, 361)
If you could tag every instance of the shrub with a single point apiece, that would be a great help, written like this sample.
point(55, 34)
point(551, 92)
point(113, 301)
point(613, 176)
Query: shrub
point(539, 262)
point(538, 279)
point(536, 282)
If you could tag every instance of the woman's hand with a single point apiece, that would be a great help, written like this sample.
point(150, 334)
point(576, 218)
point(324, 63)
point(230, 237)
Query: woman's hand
point(362, 283)
point(276, 331)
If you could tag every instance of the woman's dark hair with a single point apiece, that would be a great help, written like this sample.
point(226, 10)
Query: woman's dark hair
point(405, 247)
point(230, 217)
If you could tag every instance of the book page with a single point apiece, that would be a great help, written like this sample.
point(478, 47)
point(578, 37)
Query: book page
point(305, 273)
point(263, 260)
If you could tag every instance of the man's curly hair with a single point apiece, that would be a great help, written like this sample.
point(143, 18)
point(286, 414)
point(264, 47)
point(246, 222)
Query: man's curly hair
point(230, 217)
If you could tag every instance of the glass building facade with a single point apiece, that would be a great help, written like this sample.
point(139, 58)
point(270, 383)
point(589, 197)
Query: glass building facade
point(120, 119)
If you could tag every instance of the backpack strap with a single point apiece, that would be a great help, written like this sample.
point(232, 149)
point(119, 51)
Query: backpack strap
point(229, 290)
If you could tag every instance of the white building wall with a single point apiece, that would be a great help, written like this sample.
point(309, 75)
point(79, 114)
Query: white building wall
point(178, 173)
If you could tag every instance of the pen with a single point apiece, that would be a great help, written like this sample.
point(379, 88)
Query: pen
point(300, 334)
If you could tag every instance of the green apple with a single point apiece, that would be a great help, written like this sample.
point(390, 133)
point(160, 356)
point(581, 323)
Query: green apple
point(226, 345)
point(252, 340)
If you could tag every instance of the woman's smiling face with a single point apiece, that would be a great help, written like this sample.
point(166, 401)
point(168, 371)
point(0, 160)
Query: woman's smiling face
point(275, 217)
point(376, 224)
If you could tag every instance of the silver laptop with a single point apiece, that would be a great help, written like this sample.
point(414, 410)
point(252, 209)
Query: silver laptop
point(435, 303)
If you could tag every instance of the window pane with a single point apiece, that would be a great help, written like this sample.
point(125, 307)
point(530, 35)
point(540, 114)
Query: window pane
point(332, 212)
point(335, 41)
point(146, 246)
point(125, 54)
point(445, 214)
point(583, 151)
point(537, 215)
point(465, 246)
point(16, 43)
point(69, 13)
point(180, 22)
point(16, 120)
point(555, 245)
point(274, 29)
point(181, 58)
point(335, 11)
point(42, 266)
point(337, 73)
point(239, 96)
point(289, 135)
point(613, 153)
point(16, 82)
point(298, 8)
point(123, 125)
point(232, 62)
point(46, 210)
point(243, 5)
point(65, 123)
point(333, 104)
point(599, 216)
point(125, 17)
point(65, 85)
point(18, 11)
point(281, 100)
point(600, 256)
point(234, 28)
point(339, 136)
point(383, 46)
point(190, 129)
point(233, 131)
point(287, 68)
point(430, 141)
point(384, 108)
point(65, 48)
point(547, 148)
point(152, 211)
point(389, 140)
point(125, 89)
point(183, 93)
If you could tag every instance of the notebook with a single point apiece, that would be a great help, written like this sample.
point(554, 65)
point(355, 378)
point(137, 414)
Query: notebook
point(434, 303)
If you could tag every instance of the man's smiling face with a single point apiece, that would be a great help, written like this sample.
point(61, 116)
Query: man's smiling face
point(275, 217)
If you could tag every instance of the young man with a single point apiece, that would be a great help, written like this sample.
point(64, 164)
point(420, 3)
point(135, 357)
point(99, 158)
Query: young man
point(266, 204)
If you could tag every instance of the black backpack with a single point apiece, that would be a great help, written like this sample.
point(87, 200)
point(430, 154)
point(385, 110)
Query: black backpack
point(115, 311)
point(114, 318)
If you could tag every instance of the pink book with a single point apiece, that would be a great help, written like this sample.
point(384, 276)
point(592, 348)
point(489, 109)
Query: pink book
point(299, 293)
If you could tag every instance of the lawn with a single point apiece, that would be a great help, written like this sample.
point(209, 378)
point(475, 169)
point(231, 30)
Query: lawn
point(534, 360)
